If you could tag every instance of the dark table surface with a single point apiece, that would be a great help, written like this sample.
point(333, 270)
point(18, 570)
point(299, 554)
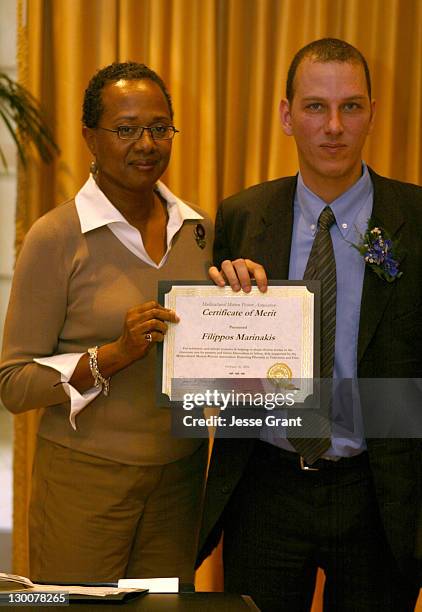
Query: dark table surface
point(182, 602)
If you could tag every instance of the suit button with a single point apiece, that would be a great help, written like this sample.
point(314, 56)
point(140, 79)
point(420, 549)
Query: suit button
point(226, 489)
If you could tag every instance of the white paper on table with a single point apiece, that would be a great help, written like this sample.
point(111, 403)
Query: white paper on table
point(154, 585)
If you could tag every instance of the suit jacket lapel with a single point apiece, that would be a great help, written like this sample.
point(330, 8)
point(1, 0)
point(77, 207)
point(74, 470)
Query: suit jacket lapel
point(377, 292)
point(273, 236)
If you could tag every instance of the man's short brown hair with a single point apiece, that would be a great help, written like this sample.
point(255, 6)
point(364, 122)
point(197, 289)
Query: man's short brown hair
point(326, 50)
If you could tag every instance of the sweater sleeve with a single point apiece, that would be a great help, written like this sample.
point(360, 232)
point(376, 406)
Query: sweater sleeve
point(35, 317)
point(65, 364)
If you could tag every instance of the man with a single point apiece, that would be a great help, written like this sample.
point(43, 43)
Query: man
point(356, 512)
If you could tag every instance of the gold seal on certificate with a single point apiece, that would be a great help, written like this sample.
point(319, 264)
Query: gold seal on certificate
point(279, 370)
point(241, 336)
point(281, 375)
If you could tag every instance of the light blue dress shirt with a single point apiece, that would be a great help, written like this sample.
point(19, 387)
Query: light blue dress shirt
point(352, 211)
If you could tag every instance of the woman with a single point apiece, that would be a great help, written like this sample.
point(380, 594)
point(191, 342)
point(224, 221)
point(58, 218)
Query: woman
point(114, 494)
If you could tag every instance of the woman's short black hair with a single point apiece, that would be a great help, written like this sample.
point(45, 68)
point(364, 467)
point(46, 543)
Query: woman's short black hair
point(93, 107)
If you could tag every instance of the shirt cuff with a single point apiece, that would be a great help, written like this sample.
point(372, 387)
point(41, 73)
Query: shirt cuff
point(66, 364)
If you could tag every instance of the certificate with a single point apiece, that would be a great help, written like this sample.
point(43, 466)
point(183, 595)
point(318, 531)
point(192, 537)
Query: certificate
point(221, 334)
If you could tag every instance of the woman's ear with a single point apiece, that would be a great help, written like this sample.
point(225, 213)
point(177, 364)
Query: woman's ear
point(90, 139)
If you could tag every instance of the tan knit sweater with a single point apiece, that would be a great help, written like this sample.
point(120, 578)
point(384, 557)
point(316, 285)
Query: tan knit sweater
point(72, 291)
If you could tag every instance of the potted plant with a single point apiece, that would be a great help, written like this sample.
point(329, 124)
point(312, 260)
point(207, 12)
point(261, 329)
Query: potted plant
point(23, 118)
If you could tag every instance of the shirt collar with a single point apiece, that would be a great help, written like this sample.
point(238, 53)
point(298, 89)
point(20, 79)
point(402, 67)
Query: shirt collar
point(95, 209)
point(346, 207)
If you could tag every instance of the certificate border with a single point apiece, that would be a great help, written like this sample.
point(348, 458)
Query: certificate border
point(165, 286)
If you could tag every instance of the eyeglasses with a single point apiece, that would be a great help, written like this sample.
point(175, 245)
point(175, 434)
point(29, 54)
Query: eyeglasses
point(134, 132)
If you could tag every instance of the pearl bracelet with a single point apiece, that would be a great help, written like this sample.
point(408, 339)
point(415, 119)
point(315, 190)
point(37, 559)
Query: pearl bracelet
point(99, 380)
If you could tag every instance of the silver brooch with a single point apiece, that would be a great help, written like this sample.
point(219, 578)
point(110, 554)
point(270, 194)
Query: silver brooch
point(199, 233)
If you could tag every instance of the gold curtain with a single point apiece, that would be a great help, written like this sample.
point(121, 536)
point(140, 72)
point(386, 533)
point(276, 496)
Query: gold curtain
point(225, 63)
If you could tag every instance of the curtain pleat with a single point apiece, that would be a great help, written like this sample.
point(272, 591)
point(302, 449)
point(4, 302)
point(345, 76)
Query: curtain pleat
point(225, 64)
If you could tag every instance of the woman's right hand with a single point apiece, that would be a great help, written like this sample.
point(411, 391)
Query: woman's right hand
point(144, 325)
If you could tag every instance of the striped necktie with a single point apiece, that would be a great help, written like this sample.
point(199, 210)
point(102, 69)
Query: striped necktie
point(321, 266)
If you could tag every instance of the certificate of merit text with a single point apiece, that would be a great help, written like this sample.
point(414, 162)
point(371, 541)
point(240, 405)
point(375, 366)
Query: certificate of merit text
point(223, 334)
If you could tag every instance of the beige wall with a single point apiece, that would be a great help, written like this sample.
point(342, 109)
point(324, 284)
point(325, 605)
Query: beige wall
point(7, 233)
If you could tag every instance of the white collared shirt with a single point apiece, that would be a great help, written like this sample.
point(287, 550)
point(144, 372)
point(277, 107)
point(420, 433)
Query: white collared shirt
point(95, 210)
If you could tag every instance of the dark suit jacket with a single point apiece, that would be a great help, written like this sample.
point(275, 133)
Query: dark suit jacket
point(257, 224)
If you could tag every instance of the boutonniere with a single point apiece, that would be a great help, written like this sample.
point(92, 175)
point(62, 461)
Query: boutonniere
point(199, 233)
point(380, 252)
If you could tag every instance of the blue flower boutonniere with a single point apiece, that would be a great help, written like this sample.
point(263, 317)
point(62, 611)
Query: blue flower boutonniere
point(380, 252)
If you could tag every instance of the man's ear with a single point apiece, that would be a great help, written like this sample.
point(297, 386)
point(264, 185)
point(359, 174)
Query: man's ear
point(90, 139)
point(285, 117)
point(371, 123)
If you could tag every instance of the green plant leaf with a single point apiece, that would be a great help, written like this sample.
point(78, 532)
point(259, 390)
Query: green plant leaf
point(23, 118)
